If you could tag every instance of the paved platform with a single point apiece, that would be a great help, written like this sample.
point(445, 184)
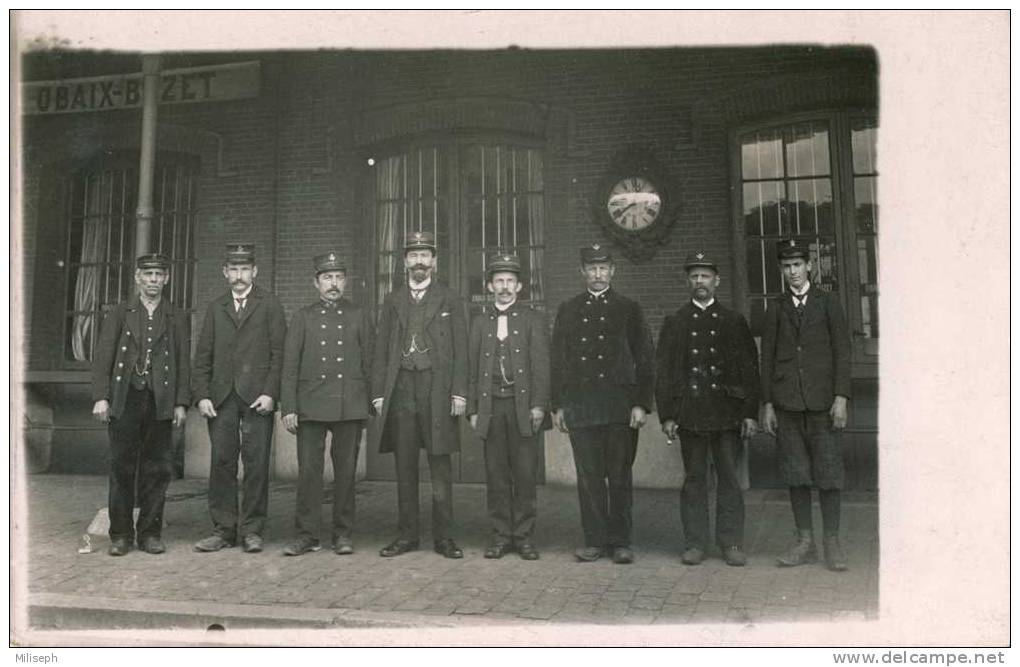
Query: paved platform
point(186, 589)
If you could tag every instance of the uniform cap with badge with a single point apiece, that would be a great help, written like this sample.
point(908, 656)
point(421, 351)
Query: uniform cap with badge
point(699, 259)
point(791, 249)
point(152, 261)
point(420, 240)
point(329, 261)
point(502, 261)
point(239, 253)
point(594, 253)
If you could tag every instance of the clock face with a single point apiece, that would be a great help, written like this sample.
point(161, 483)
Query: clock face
point(634, 203)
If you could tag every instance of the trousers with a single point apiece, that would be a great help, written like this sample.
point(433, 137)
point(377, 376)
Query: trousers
point(141, 466)
point(311, 443)
point(238, 429)
point(729, 498)
point(511, 468)
point(603, 456)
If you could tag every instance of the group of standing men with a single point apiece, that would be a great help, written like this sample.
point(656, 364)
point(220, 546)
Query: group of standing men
point(412, 378)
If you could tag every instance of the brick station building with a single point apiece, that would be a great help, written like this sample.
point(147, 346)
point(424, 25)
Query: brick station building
point(510, 149)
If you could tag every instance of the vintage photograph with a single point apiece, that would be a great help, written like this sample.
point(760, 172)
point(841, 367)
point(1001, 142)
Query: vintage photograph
point(492, 340)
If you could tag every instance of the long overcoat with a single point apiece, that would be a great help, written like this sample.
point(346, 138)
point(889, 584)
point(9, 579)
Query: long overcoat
point(804, 366)
point(446, 328)
point(119, 348)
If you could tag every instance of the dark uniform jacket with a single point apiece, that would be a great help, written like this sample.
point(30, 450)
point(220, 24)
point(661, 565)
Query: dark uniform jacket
point(120, 347)
point(707, 369)
point(602, 359)
point(446, 329)
point(242, 353)
point(326, 362)
point(803, 367)
point(527, 342)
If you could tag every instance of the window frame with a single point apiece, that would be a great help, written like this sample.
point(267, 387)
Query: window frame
point(841, 174)
point(125, 161)
point(452, 270)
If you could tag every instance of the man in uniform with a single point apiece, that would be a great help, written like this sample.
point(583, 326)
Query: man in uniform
point(236, 381)
point(419, 389)
point(140, 389)
point(324, 387)
point(805, 372)
point(707, 392)
point(603, 380)
point(507, 400)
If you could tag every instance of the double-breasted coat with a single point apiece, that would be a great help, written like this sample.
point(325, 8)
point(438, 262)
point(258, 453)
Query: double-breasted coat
point(326, 363)
point(603, 359)
point(805, 365)
point(445, 325)
point(528, 344)
point(243, 352)
point(120, 347)
point(707, 369)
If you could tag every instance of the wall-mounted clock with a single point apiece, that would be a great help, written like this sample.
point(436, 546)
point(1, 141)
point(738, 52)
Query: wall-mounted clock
point(635, 203)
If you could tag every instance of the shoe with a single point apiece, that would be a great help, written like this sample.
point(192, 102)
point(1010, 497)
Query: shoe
point(835, 560)
point(343, 546)
point(497, 550)
point(623, 556)
point(588, 554)
point(213, 543)
point(692, 556)
point(152, 545)
point(527, 551)
point(119, 546)
point(448, 548)
point(802, 552)
point(397, 547)
point(301, 545)
point(252, 543)
point(734, 556)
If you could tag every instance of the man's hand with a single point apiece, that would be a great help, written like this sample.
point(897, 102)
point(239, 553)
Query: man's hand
point(537, 416)
point(377, 405)
point(473, 419)
point(180, 415)
point(748, 428)
point(290, 422)
point(838, 413)
point(263, 404)
point(768, 419)
point(101, 410)
point(637, 417)
point(458, 406)
point(559, 422)
point(670, 428)
point(206, 409)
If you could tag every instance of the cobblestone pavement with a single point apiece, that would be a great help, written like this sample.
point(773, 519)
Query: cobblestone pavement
point(657, 588)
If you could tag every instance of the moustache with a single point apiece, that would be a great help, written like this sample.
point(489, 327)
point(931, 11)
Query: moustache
point(419, 267)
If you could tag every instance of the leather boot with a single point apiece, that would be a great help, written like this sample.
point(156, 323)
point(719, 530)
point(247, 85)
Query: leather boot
point(803, 551)
point(835, 560)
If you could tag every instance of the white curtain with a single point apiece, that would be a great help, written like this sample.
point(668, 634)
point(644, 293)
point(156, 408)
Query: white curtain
point(86, 288)
point(387, 197)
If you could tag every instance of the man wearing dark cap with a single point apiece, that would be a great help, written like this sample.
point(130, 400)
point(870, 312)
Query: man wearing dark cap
point(419, 389)
point(235, 382)
point(140, 389)
point(324, 388)
point(602, 386)
point(508, 396)
point(706, 391)
point(805, 372)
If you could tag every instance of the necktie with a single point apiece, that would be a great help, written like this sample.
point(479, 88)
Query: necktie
point(239, 304)
point(501, 326)
point(417, 294)
point(799, 306)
